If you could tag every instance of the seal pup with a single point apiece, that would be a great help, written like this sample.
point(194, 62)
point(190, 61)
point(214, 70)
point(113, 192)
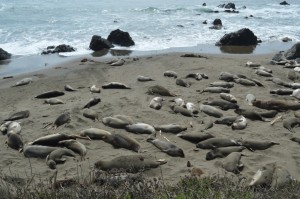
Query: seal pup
point(170, 73)
point(170, 128)
point(263, 73)
point(129, 163)
point(178, 101)
point(183, 111)
point(75, 146)
point(142, 78)
point(214, 90)
point(227, 120)
point(252, 65)
point(53, 101)
point(257, 145)
point(226, 76)
point(290, 123)
point(91, 114)
point(213, 143)
point(14, 141)
point(223, 152)
point(94, 133)
point(92, 102)
point(222, 104)
point(122, 141)
point(119, 62)
point(53, 139)
point(222, 84)
point(37, 151)
point(50, 94)
point(56, 157)
point(263, 177)
point(195, 137)
point(18, 115)
point(232, 163)
point(250, 114)
point(23, 82)
point(69, 88)
point(166, 147)
point(160, 90)
point(140, 128)
point(95, 89)
point(191, 107)
point(10, 127)
point(156, 103)
point(228, 97)
point(182, 82)
point(196, 76)
point(115, 85)
point(240, 123)
point(211, 111)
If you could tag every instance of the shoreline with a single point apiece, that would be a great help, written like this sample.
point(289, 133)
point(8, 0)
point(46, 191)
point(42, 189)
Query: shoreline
point(20, 65)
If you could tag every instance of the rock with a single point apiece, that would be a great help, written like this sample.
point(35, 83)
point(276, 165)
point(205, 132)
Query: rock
point(4, 55)
point(284, 3)
point(230, 6)
point(286, 39)
point(279, 57)
point(204, 4)
point(204, 22)
point(242, 37)
point(293, 52)
point(221, 5)
point(217, 24)
point(58, 49)
point(231, 11)
point(97, 43)
point(121, 38)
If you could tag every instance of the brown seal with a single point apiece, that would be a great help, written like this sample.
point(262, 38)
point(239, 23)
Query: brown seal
point(122, 141)
point(167, 147)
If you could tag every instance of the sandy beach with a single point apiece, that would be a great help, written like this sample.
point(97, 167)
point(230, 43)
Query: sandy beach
point(134, 102)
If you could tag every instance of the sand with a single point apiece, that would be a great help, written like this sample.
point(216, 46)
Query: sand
point(135, 103)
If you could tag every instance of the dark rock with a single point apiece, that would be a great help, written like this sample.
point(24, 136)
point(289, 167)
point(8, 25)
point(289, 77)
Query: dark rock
point(293, 52)
point(242, 37)
point(4, 55)
point(284, 3)
point(217, 22)
point(180, 26)
point(221, 5)
point(58, 49)
point(97, 43)
point(279, 57)
point(286, 39)
point(121, 38)
point(204, 22)
point(231, 11)
point(204, 4)
point(230, 6)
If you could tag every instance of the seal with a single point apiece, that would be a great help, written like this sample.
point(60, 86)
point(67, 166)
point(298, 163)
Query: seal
point(214, 90)
point(129, 163)
point(213, 143)
point(61, 120)
point(115, 85)
point(116, 122)
point(94, 133)
point(53, 139)
point(257, 145)
point(292, 75)
point(91, 114)
point(160, 90)
point(279, 105)
point(95, 89)
point(222, 84)
point(250, 98)
point(223, 152)
point(53, 101)
point(281, 177)
point(142, 78)
point(170, 128)
point(156, 103)
point(122, 141)
point(191, 107)
point(269, 114)
point(244, 82)
point(296, 94)
point(37, 151)
point(196, 76)
point(251, 114)
point(23, 82)
point(263, 73)
point(10, 127)
point(195, 137)
point(222, 104)
point(14, 141)
point(140, 128)
point(226, 76)
point(227, 120)
point(166, 147)
point(119, 62)
point(282, 91)
point(228, 97)
point(50, 94)
point(178, 101)
point(75, 146)
point(211, 111)
point(252, 65)
point(232, 163)
point(239, 124)
point(183, 82)
point(263, 176)
point(18, 115)
point(69, 88)
point(207, 124)
point(170, 73)
point(56, 157)
point(92, 102)
point(290, 123)
point(183, 111)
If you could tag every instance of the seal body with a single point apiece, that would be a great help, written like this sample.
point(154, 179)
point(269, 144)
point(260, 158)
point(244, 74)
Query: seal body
point(56, 157)
point(258, 145)
point(142, 78)
point(170, 73)
point(171, 128)
point(278, 105)
point(156, 103)
point(116, 122)
point(213, 143)
point(232, 163)
point(263, 176)
point(223, 104)
point(244, 82)
point(37, 151)
point(92, 102)
point(53, 101)
point(222, 84)
point(167, 147)
point(14, 141)
point(69, 88)
point(195, 137)
point(228, 97)
point(91, 114)
point(240, 123)
point(183, 111)
point(183, 82)
point(52, 140)
point(215, 90)
point(62, 119)
point(229, 120)
point(115, 85)
point(23, 82)
point(74, 146)
point(211, 111)
point(94, 133)
point(95, 89)
point(223, 152)
point(250, 114)
point(290, 123)
point(18, 115)
point(122, 141)
point(10, 127)
point(159, 90)
point(140, 128)
point(226, 76)
point(50, 94)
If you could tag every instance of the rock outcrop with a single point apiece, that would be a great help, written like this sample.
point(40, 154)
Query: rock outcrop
point(121, 38)
point(58, 49)
point(293, 52)
point(242, 37)
point(4, 55)
point(98, 43)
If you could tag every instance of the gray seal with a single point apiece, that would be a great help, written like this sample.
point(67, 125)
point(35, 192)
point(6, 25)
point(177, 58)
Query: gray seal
point(140, 128)
point(211, 111)
point(142, 78)
point(18, 115)
point(232, 163)
point(160, 90)
point(250, 114)
point(167, 147)
point(156, 103)
point(170, 128)
point(53, 101)
point(23, 82)
point(91, 114)
point(56, 157)
point(263, 73)
point(10, 127)
point(170, 73)
point(115, 85)
point(119, 62)
point(228, 97)
point(268, 114)
point(122, 141)
point(215, 90)
point(278, 105)
point(69, 88)
point(227, 120)
point(37, 151)
point(92, 102)
point(75, 146)
point(223, 152)
point(94, 133)
point(213, 143)
point(263, 176)
point(50, 94)
point(95, 89)
point(222, 104)
point(196, 76)
point(53, 139)
point(240, 123)
point(195, 137)
point(290, 123)
point(14, 141)
point(129, 163)
point(183, 111)
point(61, 120)
point(282, 91)
point(296, 139)
point(258, 145)
point(222, 84)
point(183, 82)
point(116, 122)
point(245, 82)
point(226, 76)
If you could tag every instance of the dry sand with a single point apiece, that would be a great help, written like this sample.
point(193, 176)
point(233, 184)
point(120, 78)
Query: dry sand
point(135, 103)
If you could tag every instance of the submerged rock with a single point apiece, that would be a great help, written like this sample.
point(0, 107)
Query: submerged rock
point(58, 49)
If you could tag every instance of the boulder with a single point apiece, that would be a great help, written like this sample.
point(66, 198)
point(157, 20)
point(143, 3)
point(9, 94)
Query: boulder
point(217, 24)
point(4, 55)
point(293, 52)
point(242, 37)
point(58, 49)
point(279, 57)
point(230, 6)
point(284, 3)
point(98, 43)
point(121, 38)
point(204, 4)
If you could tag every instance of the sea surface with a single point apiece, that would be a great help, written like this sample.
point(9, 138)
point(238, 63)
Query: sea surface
point(28, 26)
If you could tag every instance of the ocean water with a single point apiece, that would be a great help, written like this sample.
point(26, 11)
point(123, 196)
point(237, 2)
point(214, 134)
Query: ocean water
point(29, 26)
